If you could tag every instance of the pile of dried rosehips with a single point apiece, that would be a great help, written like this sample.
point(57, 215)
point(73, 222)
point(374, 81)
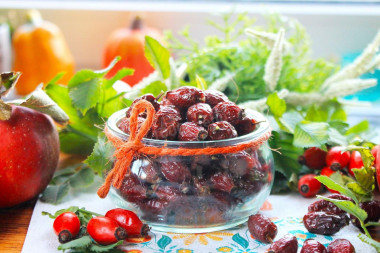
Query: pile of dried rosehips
point(202, 189)
point(264, 230)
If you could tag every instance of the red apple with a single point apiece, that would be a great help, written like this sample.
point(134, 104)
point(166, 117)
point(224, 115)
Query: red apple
point(29, 153)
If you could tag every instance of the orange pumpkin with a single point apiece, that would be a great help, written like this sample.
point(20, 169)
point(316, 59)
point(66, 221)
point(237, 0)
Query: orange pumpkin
point(129, 44)
point(40, 53)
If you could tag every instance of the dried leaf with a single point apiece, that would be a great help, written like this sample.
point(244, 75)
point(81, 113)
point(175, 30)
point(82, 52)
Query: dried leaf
point(5, 110)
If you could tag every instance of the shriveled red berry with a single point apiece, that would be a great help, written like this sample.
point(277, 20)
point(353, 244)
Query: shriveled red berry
point(132, 190)
point(147, 97)
point(246, 126)
point(154, 206)
point(340, 246)
point(324, 223)
point(105, 230)
point(222, 182)
point(356, 162)
point(66, 226)
point(200, 114)
point(287, 244)
point(185, 96)
point(239, 163)
point(314, 158)
point(175, 171)
point(372, 209)
point(166, 123)
point(167, 192)
point(124, 126)
point(327, 206)
point(190, 131)
point(145, 170)
point(201, 186)
point(221, 130)
point(246, 187)
point(336, 159)
point(262, 228)
point(129, 221)
point(313, 246)
point(214, 97)
point(308, 186)
point(228, 111)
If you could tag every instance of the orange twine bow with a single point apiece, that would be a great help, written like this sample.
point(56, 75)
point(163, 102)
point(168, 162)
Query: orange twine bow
point(126, 151)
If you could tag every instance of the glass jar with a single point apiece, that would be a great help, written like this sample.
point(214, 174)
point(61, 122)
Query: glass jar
point(196, 194)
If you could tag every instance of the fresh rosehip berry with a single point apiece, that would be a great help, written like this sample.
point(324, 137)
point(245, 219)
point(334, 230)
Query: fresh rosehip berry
point(337, 160)
point(222, 182)
point(326, 171)
point(148, 97)
point(105, 230)
point(200, 114)
point(313, 246)
point(221, 130)
point(167, 192)
point(340, 246)
point(239, 163)
point(314, 158)
point(375, 150)
point(308, 186)
point(175, 171)
point(246, 125)
point(66, 226)
point(228, 111)
point(372, 209)
point(324, 223)
point(287, 244)
point(129, 221)
point(262, 228)
point(124, 126)
point(166, 123)
point(214, 97)
point(190, 131)
point(132, 190)
point(186, 96)
point(327, 206)
point(356, 162)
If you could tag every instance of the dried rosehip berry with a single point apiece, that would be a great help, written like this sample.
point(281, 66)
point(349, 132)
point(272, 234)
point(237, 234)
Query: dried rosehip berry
point(221, 130)
point(201, 186)
point(190, 131)
point(246, 125)
point(287, 244)
point(147, 97)
point(132, 190)
point(337, 160)
point(124, 126)
point(222, 182)
point(324, 223)
point(154, 206)
point(356, 162)
point(262, 228)
point(166, 123)
point(228, 111)
point(372, 209)
point(167, 192)
point(245, 187)
point(313, 246)
point(314, 158)
point(145, 170)
point(340, 246)
point(327, 206)
point(225, 199)
point(175, 171)
point(200, 114)
point(308, 186)
point(239, 163)
point(185, 96)
point(214, 97)
point(200, 161)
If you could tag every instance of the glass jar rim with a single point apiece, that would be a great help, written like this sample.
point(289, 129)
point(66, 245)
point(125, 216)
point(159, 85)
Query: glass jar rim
point(261, 128)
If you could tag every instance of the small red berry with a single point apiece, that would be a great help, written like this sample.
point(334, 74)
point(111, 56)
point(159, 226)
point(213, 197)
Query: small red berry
point(132, 190)
point(337, 160)
point(148, 97)
point(124, 125)
point(375, 150)
point(246, 126)
point(190, 131)
point(186, 96)
point(200, 114)
point(228, 111)
point(356, 162)
point(262, 228)
point(308, 186)
point(105, 230)
point(326, 171)
point(66, 226)
point(340, 246)
point(286, 244)
point(221, 130)
point(313, 246)
point(174, 171)
point(166, 123)
point(214, 97)
point(222, 182)
point(129, 221)
point(314, 158)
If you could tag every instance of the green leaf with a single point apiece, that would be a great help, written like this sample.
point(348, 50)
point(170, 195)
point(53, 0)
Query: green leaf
point(366, 178)
point(329, 183)
point(105, 248)
point(310, 134)
point(340, 126)
point(80, 243)
point(81, 179)
point(358, 128)
point(363, 194)
point(57, 213)
point(339, 114)
point(72, 143)
point(54, 194)
point(349, 207)
point(336, 138)
point(54, 80)
point(87, 94)
point(290, 119)
point(121, 73)
point(369, 241)
point(155, 88)
point(315, 115)
point(201, 83)
point(158, 56)
point(277, 106)
point(101, 158)
point(103, 72)
point(164, 241)
point(240, 240)
point(366, 155)
point(8, 80)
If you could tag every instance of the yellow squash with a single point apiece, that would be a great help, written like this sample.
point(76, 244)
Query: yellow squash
point(40, 53)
